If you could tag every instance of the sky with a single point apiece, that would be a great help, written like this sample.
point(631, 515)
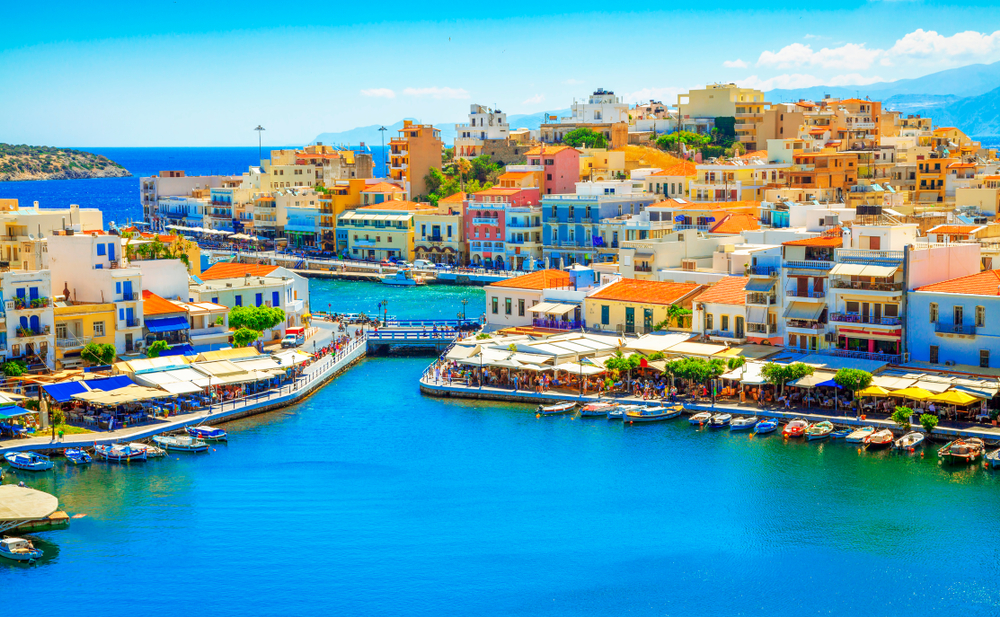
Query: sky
point(196, 73)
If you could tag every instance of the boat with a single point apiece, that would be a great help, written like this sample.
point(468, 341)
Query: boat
point(720, 419)
point(207, 433)
point(150, 450)
point(743, 424)
point(962, 450)
point(879, 439)
point(618, 413)
point(118, 453)
point(993, 459)
point(859, 435)
point(795, 428)
point(653, 414)
point(767, 426)
point(700, 418)
point(77, 456)
point(180, 443)
point(28, 461)
point(402, 278)
point(551, 410)
point(842, 433)
point(594, 410)
point(19, 549)
point(910, 441)
point(819, 430)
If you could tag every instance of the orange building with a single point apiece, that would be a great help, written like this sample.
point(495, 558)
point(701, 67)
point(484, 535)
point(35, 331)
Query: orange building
point(824, 169)
point(930, 179)
point(412, 154)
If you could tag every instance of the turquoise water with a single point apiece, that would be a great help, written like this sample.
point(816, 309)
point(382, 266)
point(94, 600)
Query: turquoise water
point(369, 499)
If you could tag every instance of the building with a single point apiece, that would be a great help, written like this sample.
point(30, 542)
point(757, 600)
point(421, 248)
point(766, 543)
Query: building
point(523, 237)
point(164, 320)
point(698, 109)
point(485, 222)
point(168, 184)
point(632, 306)
point(508, 302)
point(383, 231)
point(806, 266)
point(208, 325)
point(484, 124)
point(719, 312)
point(741, 179)
point(603, 112)
point(672, 182)
point(28, 321)
point(956, 321)
point(298, 217)
point(337, 198)
point(272, 291)
point(559, 165)
point(78, 324)
point(438, 236)
point(294, 306)
point(412, 154)
point(23, 228)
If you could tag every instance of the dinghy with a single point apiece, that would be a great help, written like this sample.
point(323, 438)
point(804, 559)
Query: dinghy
point(743, 424)
point(28, 461)
point(765, 427)
point(700, 418)
point(962, 450)
point(819, 430)
point(879, 439)
point(859, 435)
point(795, 428)
point(552, 410)
point(910, 441)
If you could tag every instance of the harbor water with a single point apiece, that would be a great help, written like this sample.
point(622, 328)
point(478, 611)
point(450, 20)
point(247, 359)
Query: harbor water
point(370, 499)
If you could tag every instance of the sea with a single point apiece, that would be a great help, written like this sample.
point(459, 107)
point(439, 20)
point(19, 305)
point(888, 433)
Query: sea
point(369, 498)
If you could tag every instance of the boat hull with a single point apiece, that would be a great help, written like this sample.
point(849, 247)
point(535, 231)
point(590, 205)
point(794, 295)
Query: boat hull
point(31, 555)
point(33, 464)
point(743, 424)
point(669, 415)
point(764, 428)
point(817, 436)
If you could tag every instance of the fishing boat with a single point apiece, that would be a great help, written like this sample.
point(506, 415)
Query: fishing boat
point(962, 450)
point(743, 424)
point(701, 418)
point(909, 441)
point(150, 450)
point(180, 443)
point(859, 435)
point(993, 459)
point(879, 439)
point(118, 453)
point(19, 549)
point(77, 456)
point(842, 433)
point(819, 430)
point(767, 426)
point(618, 413)
point(594, 410)
point(652, 414)
point(795, 428)
point(552, 410)
point(720, 420)
point(28, 461)
point(207, 433)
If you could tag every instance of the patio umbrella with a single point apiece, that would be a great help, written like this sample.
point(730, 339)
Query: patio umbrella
point(873, 391)
point(913, 392)
point(953, 397)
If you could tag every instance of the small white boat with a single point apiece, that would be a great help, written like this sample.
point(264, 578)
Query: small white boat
point(118, 453)
point(909, 441)
point(28, 461)
point(721, 419)
point(180, 443)
point(552, 410)
point(743, 424)
point(700, 418)
point(77, 456)
point(652, 414)
point(594, 410)
point(402, 278)
point(207, 433)
point(993, 459)
point(150, 450)
point(879, 439)
point(19, 549)
point(860, 434)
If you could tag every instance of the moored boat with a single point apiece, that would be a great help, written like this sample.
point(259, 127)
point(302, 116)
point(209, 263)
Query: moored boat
point(819, 430)
point(745, 423)
point(720, 420)
point(77, 456)
point(180, 443)
point(594, 410)
point(652, 414)
point(795, 428)
point(552, 410)
point(207, 433)
point(118, 453)
point(993, 459)
point(618, 413)
point(879, 439)
point(19, 549)
point(401, 278)
point(910, 441)
point(765, 427)
point(150, 450)
point(28, 461)
point(962, 450)
point(842, 433)
point(859, 435)
point(700, 418)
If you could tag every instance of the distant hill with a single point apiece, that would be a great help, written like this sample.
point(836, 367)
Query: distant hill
point(21, 162)
point(977, 116)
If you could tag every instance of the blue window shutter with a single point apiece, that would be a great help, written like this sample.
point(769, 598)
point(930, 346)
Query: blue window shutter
point(24, 321)
point(121, 314)
point(100, 249)
point(118, 287)
point(33, 293)
point(239, 300)
point(276, 299)
point(99, 266)
point(20, 292)
point(260, 299)
point(215, 300)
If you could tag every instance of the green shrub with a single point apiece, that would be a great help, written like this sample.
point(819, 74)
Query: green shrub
point(928, 421)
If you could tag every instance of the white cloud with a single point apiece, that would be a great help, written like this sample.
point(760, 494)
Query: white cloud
point(664, 95)
point(383, 93)
point(928, 43)
point(802, 80)
point(735, 64)
point(538, 98)
point(850, 55)
point(438, 93)
point(572, 82)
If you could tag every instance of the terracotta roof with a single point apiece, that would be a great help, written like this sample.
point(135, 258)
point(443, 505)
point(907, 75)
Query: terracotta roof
point(395, 204)
point(231, 271)
point(818, 131)
point(707, 205)
point(516, 175)
point(684, 168)
point(549, 150)
point(456, 198)
point(983, 284)
point(646, 292)
point(954, 229)
point(736, 222)
point(543, 279)
point(819, 241)
point(384, 187)
point(730, 290)
point(499, 191)
point(153, 304)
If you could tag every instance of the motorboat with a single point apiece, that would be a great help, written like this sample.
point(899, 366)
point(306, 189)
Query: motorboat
point(962, 450)
point(720, 420)
point(552, 410)
point(652, 414)
point(402, 278)
point(618, 413)
point(701, 418)
point(180, 443)
point(745, 423)
point(77, 456)
point(767, 426)
point(842, 433)
point(859, 435)
point(993, 459)
point(594, 410)
point(910, 441)
point(881, 438)
point(819, 430)
point(19, 549)
point(118, 453)
point(795, 428)
point(207, 433)
point(28, 461)
point(150, 450)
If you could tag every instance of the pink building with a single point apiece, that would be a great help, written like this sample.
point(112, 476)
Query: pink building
point(485, 222)
point(561, 168)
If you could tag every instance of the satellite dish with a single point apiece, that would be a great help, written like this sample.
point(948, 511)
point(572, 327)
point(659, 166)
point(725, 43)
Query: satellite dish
point(31, 237)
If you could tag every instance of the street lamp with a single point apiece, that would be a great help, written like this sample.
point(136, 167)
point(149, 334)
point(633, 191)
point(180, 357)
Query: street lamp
point(384, 306)
point(385, 159)
point(260, 132)
point(465, 301)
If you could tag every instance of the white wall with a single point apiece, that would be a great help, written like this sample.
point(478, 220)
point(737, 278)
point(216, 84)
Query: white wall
point(942, 263)
point(167, 278)
point(500, 319)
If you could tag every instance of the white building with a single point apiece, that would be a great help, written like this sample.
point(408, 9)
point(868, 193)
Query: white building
point(27, 323)
point(268, 291)
point(602, 107)
point(484, 123)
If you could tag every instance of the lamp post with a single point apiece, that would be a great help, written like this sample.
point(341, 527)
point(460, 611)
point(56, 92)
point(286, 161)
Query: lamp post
point(465, 301)
point(260, 132)
point(385, 159)
point(384, 306)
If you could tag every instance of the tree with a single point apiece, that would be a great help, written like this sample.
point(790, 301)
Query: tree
point(853, 379)
point(928, 421)
point(156, 348)
point(736, 362)
point(675, 314)
point(584, 137)
point(244, 337)
point(14, 368)
point(902, 417)
point(673, 141)
point(780, 374)
point(257, 318)
point(98, 354)
point(434, 179)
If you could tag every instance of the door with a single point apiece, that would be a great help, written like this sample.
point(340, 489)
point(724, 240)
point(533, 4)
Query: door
point(877, 318)
point(818, 286)
point(874, 243)
point(127, 290)
point(33, 293)
point(129, 314)
point(739, 326)
point(803, 287)
point(630, 319)
point(865, 317)
point(647, 320)
point(111, 252)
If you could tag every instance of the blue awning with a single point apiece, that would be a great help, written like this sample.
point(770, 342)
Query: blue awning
point(63, 392)
point(760, 284)
point(108, 383)
point(178, 350)
point(13, 412)
point(167, 324)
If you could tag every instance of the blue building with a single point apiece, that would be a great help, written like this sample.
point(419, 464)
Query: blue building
point(956, 321)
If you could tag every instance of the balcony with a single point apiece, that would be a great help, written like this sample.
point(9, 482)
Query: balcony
point(29, 332)
point(867, 286)
point(869, 257)
point(810, 265)
point(72, 342)
point(24, 304)
point(485, 221)
point(860, 355)
point(762, 328)
point(860, 126)
point(805, 294)
point(556, 324)
point(131, 323)
point(646, 269)
point(764, 270)
point(761, 299)
point(865, 319)
point(132, 296)
point(951, 328)
point(725, 334)
point(805, 325)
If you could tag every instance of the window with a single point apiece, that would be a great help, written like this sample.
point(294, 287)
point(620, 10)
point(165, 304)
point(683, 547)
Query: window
point(496, 305)
point(709, 321)
point(239, 300)
point(121, 314)
point(260, 299)
point(933, 312)
point(520, 308)
point(555, 212)
point(98, 328)
point(957, 312)
point(118, 287)
point(549, 176)
point(725, 323)
point(507, 306)
point(932, 357)
point(984, 358)
point(100, 249)
point(275, 299)
point(605, 314)
point(980, 316)
point(215, 300)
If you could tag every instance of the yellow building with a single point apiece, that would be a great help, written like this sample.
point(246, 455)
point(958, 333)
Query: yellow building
point(634, 306)
point(698, 109)
point(78, 324)
point(344, 195)
point(601, 164)
point(930, 180)
point(382, 231)
point(438, 236)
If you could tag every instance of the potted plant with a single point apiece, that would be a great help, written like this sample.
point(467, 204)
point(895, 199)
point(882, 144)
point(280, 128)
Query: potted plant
point(993, 416)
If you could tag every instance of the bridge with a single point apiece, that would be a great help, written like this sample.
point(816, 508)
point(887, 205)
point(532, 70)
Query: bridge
point(418, 335)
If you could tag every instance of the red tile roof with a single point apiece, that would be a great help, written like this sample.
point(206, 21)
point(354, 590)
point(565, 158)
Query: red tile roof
point(954, 229)
point(982, 284)
point(684, 168)
point(456, 198)
point(736, 222)
point(230, 271)
point(730, 290)
point(395, 204)
point(819, 241)
point(543, 279)
point(384, 187)
point(153, 304)
point(647, 292)
point(548, 149)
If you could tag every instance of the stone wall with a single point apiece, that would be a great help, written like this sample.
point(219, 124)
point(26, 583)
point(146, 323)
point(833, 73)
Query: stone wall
point(505, 151)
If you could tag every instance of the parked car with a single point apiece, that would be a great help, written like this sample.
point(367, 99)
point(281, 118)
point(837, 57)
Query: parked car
point(293, 340)
point(423, 264)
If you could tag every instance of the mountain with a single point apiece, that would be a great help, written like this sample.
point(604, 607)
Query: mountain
point(977, 116)
point(21, 162)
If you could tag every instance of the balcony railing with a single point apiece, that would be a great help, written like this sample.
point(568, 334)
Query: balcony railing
point(866, 319)
point(762, 299)
point(131, 296)
point(558, 324)
point(802, 323)
point(952, 328)
point(133, 323)
point(810, 264)
point(486, 221)
point(30, 332)
point(762, 328)
point(860, 355)
point(723, 334)
point(764, 270)
point(867, 286)
point(643, 268)
point(795, 293)
point(72, 342)
point(869, 257)
point(24, 304)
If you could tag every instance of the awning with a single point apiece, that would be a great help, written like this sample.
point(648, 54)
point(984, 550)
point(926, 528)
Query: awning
point(542, 307)
point(579, 369)
point(167, 324)
point(13, 412)
point(811, 381)
point(131, 394)
point(180, 387)
point(63, 392)
point(561, 309)
point(804, 310)
point(880, 271)
point(756, 314)
point(847, 269)
point(760, 284)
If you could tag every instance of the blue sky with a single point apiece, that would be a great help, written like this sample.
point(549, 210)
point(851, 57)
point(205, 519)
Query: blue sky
point(180, 73)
